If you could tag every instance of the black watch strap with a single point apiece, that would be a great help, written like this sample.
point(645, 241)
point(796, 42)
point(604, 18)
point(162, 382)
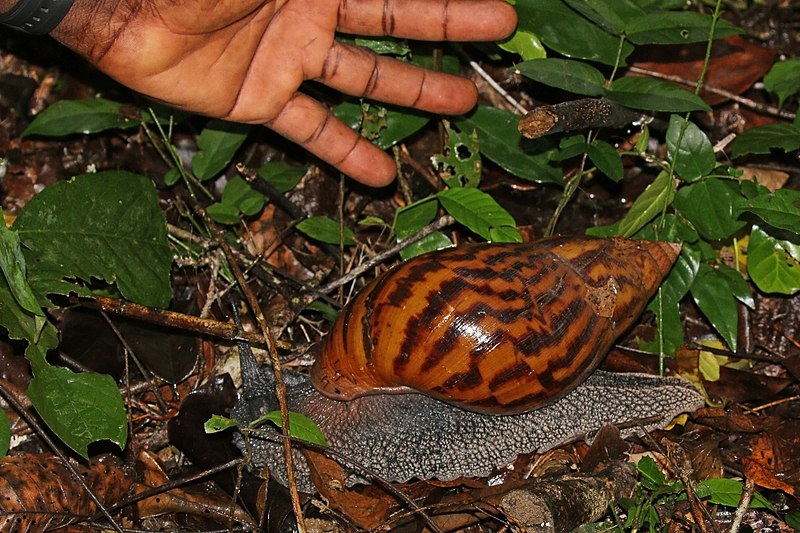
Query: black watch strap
point(36, 17)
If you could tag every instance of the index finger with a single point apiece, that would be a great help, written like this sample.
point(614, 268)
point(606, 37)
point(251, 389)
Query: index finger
point(429, 20)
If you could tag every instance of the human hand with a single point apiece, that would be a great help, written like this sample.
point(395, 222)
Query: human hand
point(244, 60)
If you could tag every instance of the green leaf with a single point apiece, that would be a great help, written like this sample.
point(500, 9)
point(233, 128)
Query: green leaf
point(738, 285)
point(573, 76)
point(460, 165)
point(501, 142)
point(606, 158)
point(218, 423)
point(728, 492)
point(326, 230)
point(557, 26)
point(763, 139)
point(24, 325)
point(171, 177)
point(650, 203)
point(611, 15)
point(218, 143)
point(654, 95)
point(712, 293)
point(504, 234)
point(224, 213)
point(241, 195)
point(773, 264)
point(79, 408)
point(648, 468)
point(385, 46)
point(5, 434)
point(300, 427)
point(67, 117)
point(410, 219)
point(780, 209)
point(435, 241)
point(694, 158)
point(106, 226)
point(399, 124)
point(676, 28)
point(783, 79)
point(282, 176)
point(476, 210)
point(793, 520)
point(526, 44)
point(712, 206)
point(12, 264)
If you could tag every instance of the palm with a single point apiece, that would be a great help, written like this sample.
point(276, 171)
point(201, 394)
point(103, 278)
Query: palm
point(244, 60)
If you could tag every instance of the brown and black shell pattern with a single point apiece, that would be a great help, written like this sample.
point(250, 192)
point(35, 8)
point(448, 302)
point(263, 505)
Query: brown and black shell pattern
point(495, 328)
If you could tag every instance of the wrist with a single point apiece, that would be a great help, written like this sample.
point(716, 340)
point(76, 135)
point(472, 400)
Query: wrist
point(36, 17)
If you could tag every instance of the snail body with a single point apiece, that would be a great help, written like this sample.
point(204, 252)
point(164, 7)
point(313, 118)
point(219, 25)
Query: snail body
point(492, 328)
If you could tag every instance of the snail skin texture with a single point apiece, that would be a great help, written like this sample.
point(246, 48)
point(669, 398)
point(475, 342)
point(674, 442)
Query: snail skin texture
point(573, 293)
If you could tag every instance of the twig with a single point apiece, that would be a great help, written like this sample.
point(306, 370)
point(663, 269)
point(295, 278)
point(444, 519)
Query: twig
point(519, 108)
point(752, 104)
point(744, 503)
point(280, 384)
point(442, 222)
point(173, 319)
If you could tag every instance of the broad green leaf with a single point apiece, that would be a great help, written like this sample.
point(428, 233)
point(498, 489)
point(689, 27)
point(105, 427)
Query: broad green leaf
point(694, 158)
point(763, 139)
point(385, 46)
point(501, 142)
point(240, 194)
point(680, 278)
point(67, 117)
point(728, 492)
point(650, 203)
point(668, 228)
point(460, 165)
point(504, 234)
point(326, 230)
point(665, 305)
point(783, 79)
point(780, 209)
point(282, 176)
point(171, 177)
point(218, 143)
point(712, 293)
point(327, 312)
point(24, 325)
point(676, 28)
point(476, 210)
point(79, 408)
point(557, 26)
point(793, 520)
point(435, 241)
point(739, 287)
point(224, 213)
point(772, 263)
point(606, 158)
point(649, 469)
point(218, 423)
point(106, 226)
point(654, 95)
point(412, 218)
point(5, 434)
point(712, 206)
point(300, 427)
point(12, 265)
point(399, 124)
point(573, 76)
point(526, 44)
point(611, 15)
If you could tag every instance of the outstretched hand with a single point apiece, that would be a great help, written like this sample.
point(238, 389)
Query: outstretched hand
point(244, 60)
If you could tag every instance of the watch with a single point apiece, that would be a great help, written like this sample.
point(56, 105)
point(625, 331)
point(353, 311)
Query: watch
point(36, 17)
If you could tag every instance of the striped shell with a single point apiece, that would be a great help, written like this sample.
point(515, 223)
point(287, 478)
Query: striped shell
point(492, 328)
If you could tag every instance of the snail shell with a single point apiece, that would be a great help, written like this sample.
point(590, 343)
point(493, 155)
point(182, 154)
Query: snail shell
point(492, 328)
